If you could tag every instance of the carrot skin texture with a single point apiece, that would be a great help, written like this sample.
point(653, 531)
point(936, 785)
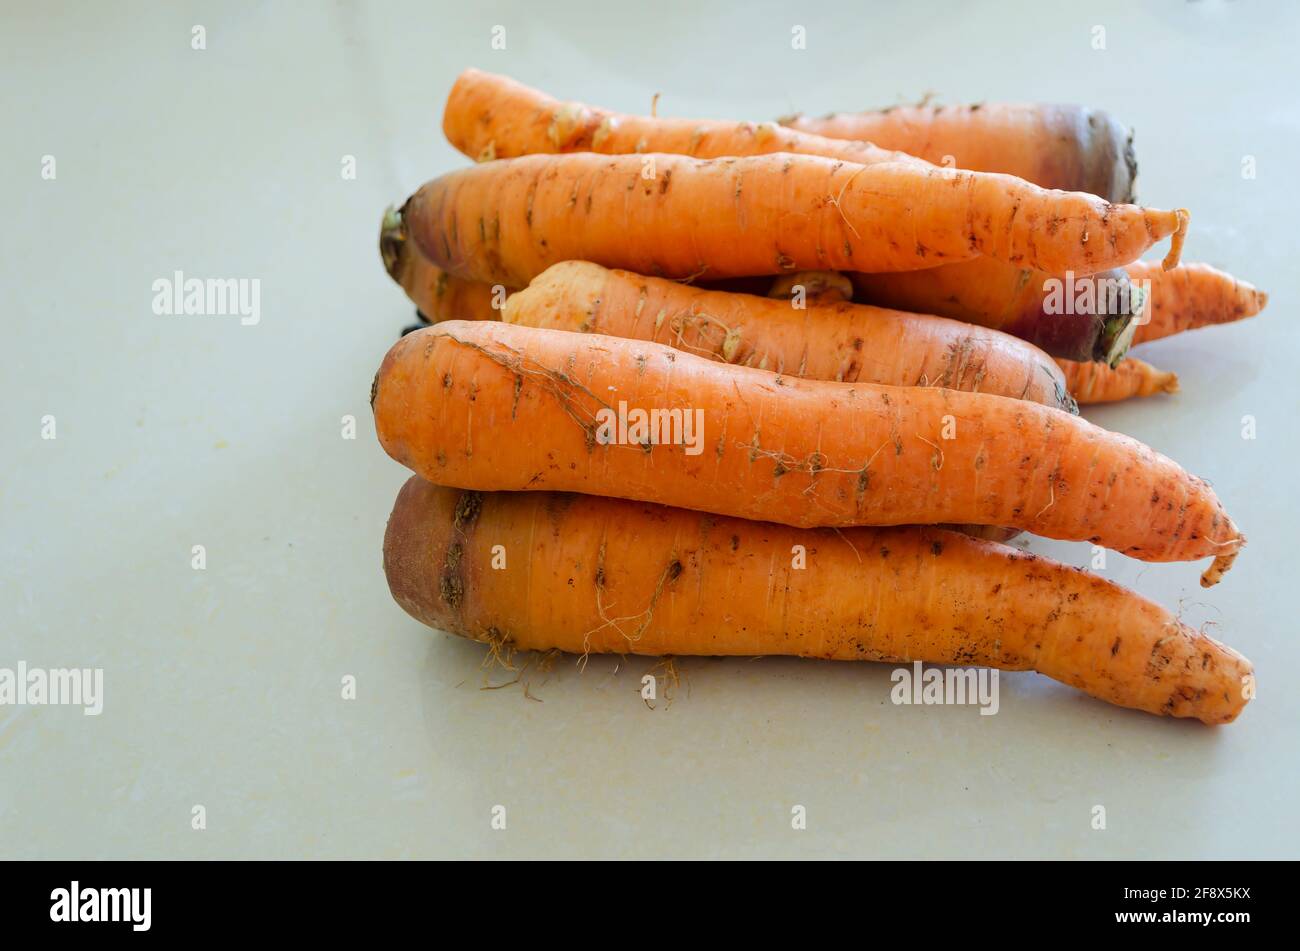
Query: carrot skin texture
point(1190, 296)
point(1056, 146)
point(1099, 383)
point(504, 222)
point(846, 342)
point(488, 116)
point(442, 296)
point(463, 404)
point(630, 577)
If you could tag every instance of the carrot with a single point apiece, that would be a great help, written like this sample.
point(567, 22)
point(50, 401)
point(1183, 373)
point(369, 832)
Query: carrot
point(629, 577)
point(1066, 147)
point(823, 341)
point(1019, 301)
point(1027, 303)
point(1099, 383)
point(436, 294)
point(838, 341)
point(467, 404)
point(488, 116)
point(505, 222)
point(1190, 296)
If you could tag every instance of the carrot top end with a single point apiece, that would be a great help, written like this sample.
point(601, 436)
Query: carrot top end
point(392, 242)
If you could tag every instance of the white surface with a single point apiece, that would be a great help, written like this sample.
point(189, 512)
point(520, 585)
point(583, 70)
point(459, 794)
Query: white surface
point(223, 686)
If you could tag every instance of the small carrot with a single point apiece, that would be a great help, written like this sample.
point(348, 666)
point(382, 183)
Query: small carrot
point(1100, 383)
point(505, 222)
point(1191, 296)
point(463, 403)
point(841, 341)
point(634, 578)
point(488, 116)
point(1066, 147)
point(436, 294)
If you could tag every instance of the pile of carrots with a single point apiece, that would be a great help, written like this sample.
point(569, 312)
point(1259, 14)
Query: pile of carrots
point(853, 317)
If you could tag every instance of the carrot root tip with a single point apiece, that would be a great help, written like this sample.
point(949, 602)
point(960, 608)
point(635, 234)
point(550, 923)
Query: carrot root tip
point(1176, 242)
point(1219, 567)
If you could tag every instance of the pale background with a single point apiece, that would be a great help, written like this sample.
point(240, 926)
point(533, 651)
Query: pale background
point(223, 686)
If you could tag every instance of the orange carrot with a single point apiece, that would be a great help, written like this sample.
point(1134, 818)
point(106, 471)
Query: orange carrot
point(629, 577)
point(488, 116)
point(1190, 296)
point(1027, 303)
point(505, 222)
point(823, 341)
point(489, 405)
point(1099, 383)
point(1086, 318)
point(1066, 147)
point(436, 294)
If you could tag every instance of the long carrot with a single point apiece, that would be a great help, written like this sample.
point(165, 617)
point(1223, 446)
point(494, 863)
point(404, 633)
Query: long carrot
point(847, 342)
point(505, 222)
point(1191, 296)
point(629, 577)
point(489, 116)
point(468, 404)
point(1100, 383)
point(1056, 146)
point(436, 294)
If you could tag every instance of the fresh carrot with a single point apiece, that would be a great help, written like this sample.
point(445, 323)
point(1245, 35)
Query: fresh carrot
point(821, 341)
point(1190, 296)
point(465, 403)
point(1100, 383)
point(1021, 302)
point(635, 578)
point(488, 116)
point(1066, 147)
point(1107, 311)
point(436, 294)
point(838, 341)
point(505, 222)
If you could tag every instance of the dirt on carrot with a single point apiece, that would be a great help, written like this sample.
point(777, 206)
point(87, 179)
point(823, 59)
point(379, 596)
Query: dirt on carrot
point(1100, 383)
point(810, 339)
point(1190, 296)
point(464, 403)
point(504, 222)
point(634, 578)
